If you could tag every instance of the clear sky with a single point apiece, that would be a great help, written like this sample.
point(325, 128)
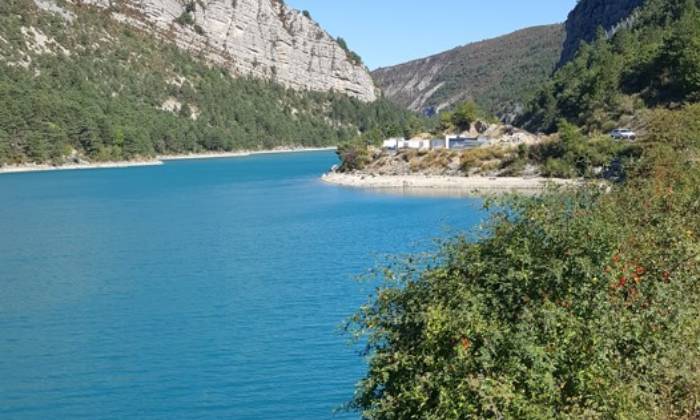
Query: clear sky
point(387, 32)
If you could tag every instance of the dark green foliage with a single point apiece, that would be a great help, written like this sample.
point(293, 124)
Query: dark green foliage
point(4, 147)
point(104, 100)
point(575, 304)
point(461, 117)
point(466, 114)
point(654, 62)
point(353, 156)
point(185, 19)
point(681, 52)
point(352, 55)
point(576, 155)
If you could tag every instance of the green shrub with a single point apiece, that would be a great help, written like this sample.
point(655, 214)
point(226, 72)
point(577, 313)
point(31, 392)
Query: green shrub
point(575, 155)
point(353, 156)
point(578, 304)
point(558, 168)
point(185, 19)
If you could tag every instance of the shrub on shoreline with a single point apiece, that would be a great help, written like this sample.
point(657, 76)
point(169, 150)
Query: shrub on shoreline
point(575, 304)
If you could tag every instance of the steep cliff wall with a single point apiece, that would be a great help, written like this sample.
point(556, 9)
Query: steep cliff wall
point(583, 22)
point(261, 38)
point(497, 73)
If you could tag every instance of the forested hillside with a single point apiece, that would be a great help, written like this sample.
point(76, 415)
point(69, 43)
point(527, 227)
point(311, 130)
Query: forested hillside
point(584, 21)
point(85, 82)
point(654, 62)
point(499, 74)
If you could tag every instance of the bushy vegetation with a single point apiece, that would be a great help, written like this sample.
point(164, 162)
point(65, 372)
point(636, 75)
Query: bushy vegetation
point(354, 156)
point(579, 303)
point(654, 62)
point(575, 304)
point(103, 96)
point(462, 117)
point(572, 154)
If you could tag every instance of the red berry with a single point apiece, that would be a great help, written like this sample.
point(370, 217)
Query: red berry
point(666, 276)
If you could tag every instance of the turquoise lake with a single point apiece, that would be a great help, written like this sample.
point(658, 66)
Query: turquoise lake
point(196, 289)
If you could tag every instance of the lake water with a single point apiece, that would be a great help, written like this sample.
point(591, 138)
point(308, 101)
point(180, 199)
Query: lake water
point(196, 289)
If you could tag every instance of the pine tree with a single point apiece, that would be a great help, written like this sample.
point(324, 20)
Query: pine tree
point(682, 54)
point(4, 147)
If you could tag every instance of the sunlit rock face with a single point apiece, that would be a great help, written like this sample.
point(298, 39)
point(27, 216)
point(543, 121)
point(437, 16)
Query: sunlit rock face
point(259, 38)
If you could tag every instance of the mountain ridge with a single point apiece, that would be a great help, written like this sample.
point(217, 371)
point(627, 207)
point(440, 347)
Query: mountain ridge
point(441, 80)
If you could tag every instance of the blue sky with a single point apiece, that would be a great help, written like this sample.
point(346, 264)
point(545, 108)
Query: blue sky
point(386, 32)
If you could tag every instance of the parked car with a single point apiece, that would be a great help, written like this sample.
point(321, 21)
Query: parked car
point(623, 134)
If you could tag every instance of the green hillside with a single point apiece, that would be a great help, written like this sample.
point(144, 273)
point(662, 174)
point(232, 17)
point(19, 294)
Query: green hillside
point(111, 92)
point(655, 62)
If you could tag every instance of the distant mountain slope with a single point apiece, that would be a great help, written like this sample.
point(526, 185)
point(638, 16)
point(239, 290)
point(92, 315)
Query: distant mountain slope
point(589, 15)
point(498, 74)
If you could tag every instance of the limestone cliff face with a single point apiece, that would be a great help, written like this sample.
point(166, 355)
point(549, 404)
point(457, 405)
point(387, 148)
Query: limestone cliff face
point(260, 38)
point(583, 22)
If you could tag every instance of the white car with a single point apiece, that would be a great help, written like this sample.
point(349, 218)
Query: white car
point(623, 134)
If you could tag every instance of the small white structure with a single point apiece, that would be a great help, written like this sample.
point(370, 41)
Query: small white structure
point(449, 142)
point(393, 143)
point(418, 144)
point(401, 143)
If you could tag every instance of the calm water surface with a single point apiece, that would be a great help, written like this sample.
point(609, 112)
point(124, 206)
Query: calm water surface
point(197, 289)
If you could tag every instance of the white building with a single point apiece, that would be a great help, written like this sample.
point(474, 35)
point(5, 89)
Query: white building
point(418, 144)
point(393, 143)
point(449, 142)
point(401, 143)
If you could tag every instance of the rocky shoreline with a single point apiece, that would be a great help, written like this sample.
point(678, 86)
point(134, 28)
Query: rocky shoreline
point(471, 184)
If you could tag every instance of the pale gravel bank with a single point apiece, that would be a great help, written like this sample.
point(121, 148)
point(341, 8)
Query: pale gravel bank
point(33, 167)
point(243, 153)
point(159, 160)
point(473, 184)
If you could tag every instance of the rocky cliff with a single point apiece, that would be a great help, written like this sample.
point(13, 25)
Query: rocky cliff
point(261, 38)
point(588, 15)
point(497, 73)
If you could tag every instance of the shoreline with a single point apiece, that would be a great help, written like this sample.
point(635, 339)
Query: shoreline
point(242, 153)
point(45, 167)
point(157, 161)
point(448, 184)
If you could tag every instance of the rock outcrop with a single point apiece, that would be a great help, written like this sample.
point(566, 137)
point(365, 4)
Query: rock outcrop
point(259, 38)
point(588, 15)
point(498, 73)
